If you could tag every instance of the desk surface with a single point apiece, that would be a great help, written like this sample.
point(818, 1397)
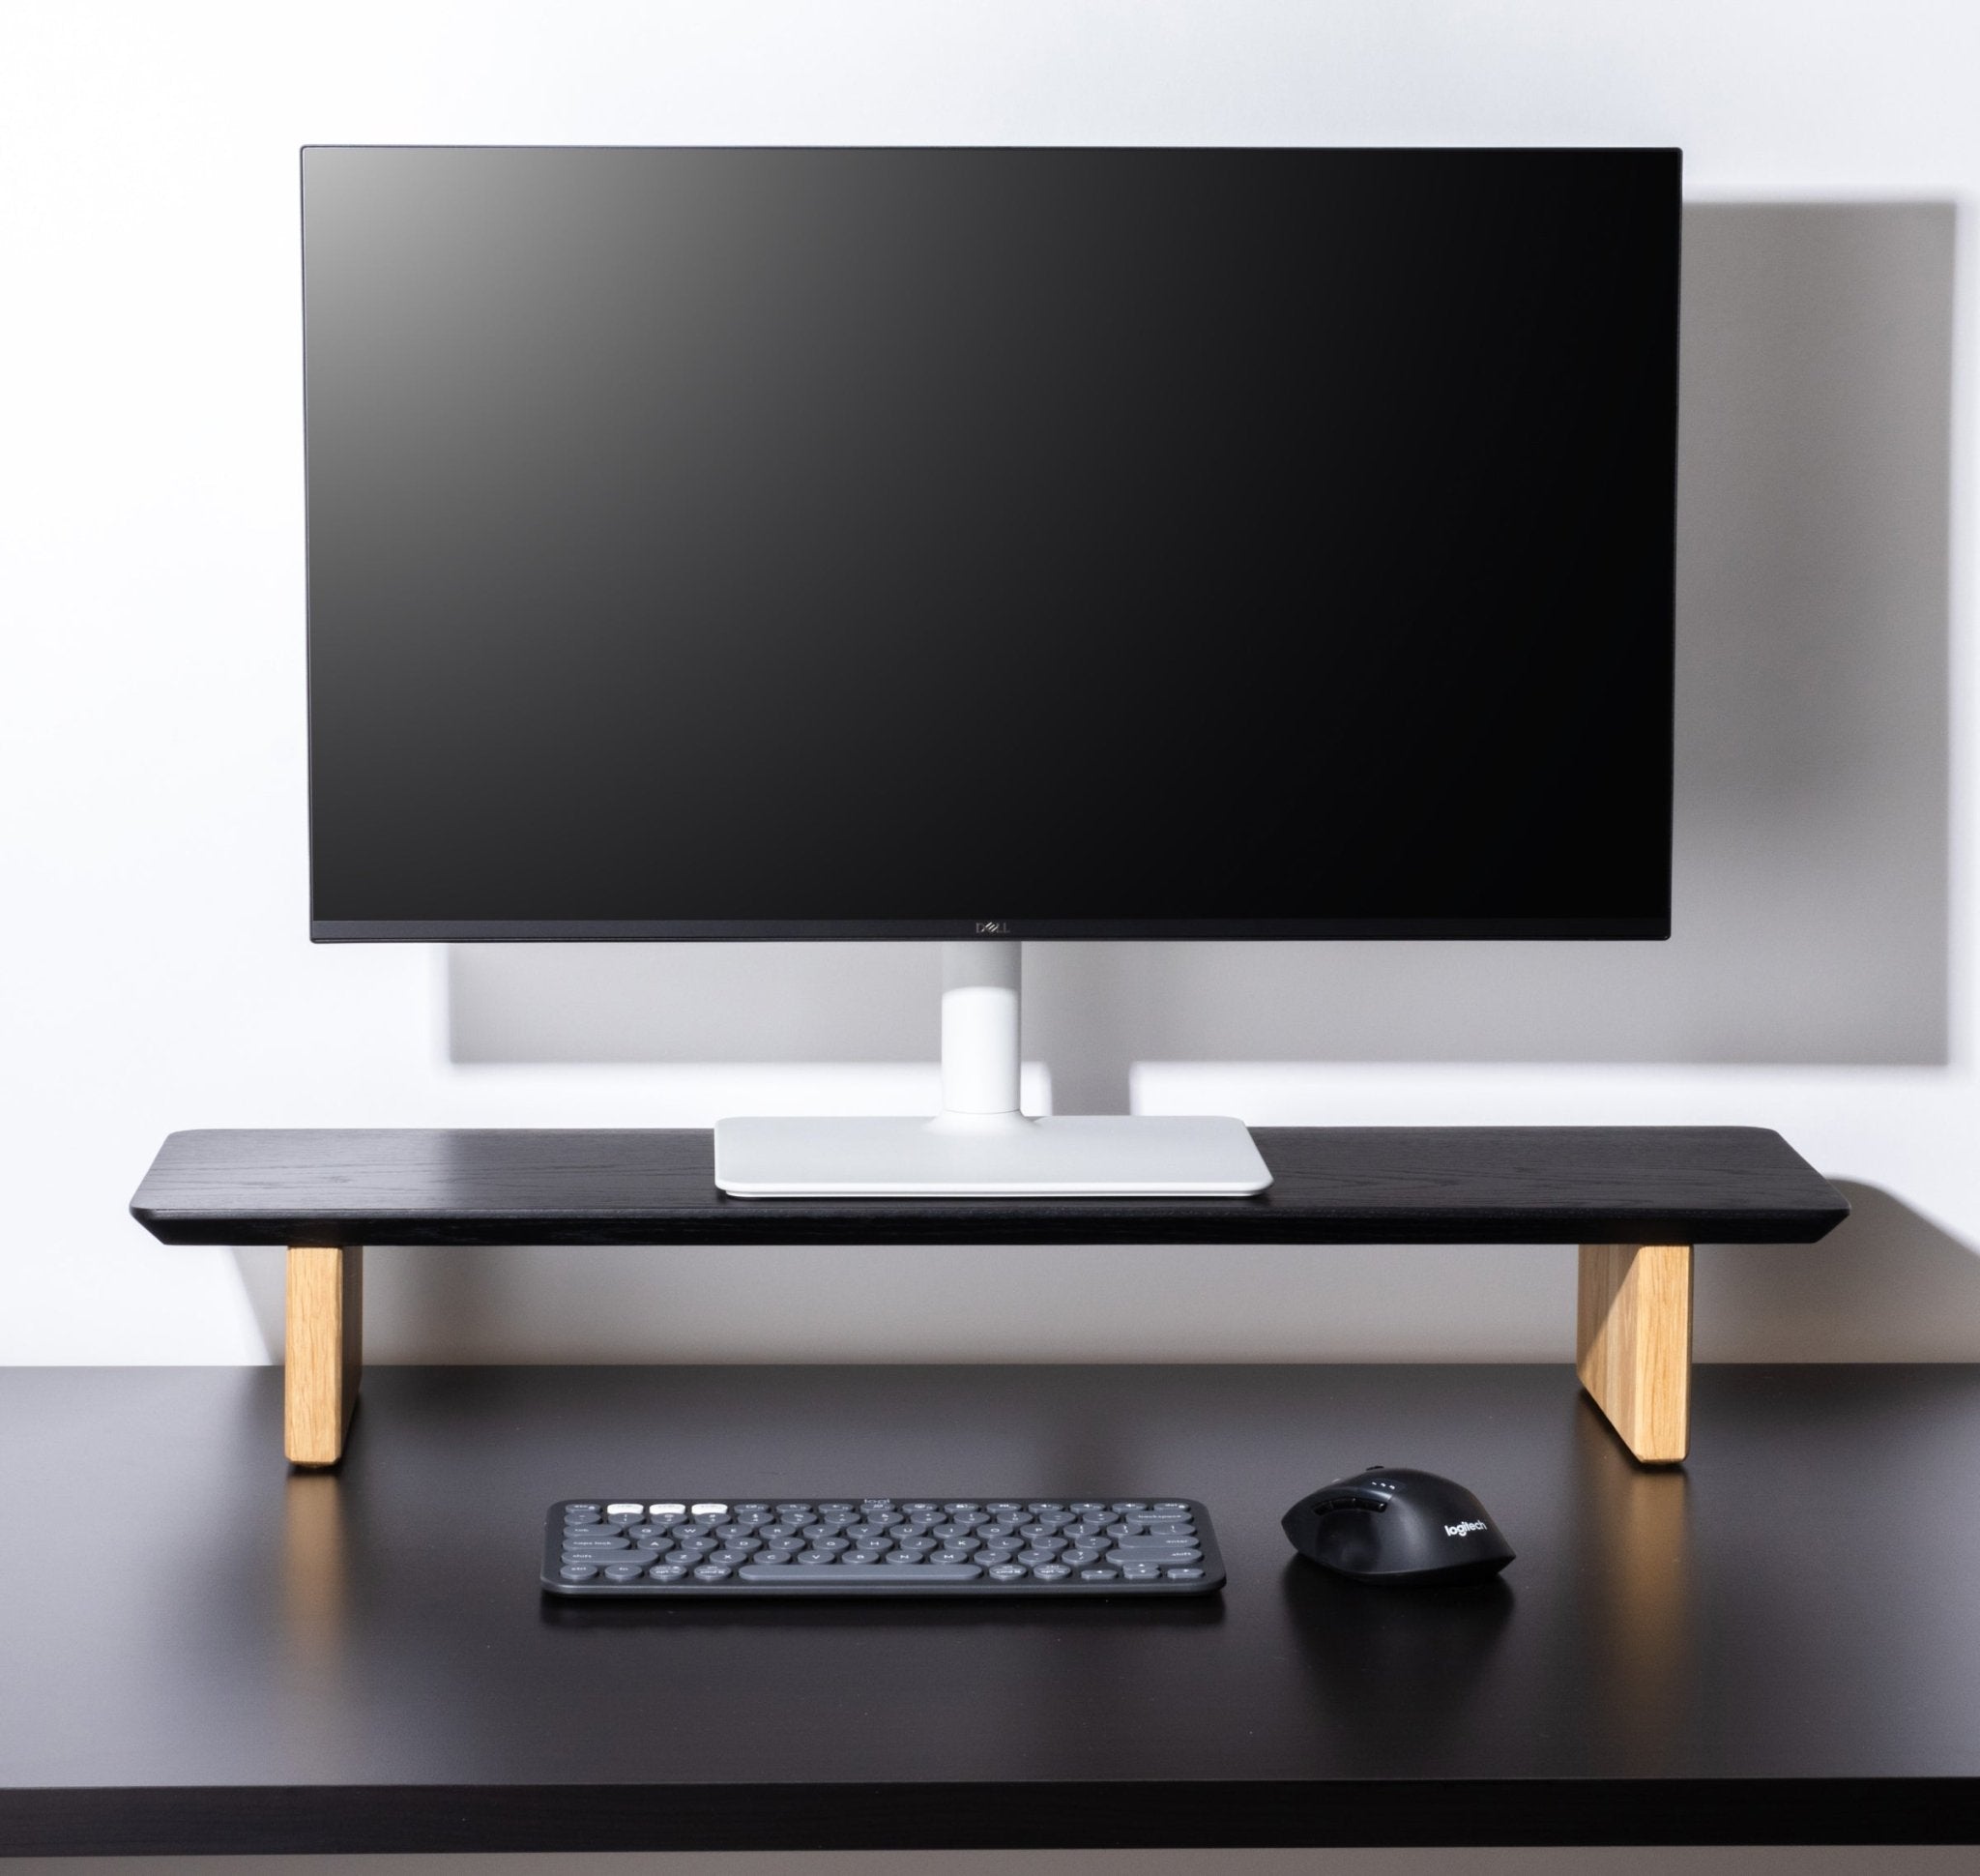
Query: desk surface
point(205, 1653)
point(1345, 1184)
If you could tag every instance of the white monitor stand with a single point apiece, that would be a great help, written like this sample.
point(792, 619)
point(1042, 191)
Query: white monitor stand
point(981, 1145)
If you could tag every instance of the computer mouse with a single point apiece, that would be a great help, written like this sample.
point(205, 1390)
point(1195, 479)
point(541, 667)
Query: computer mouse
point(1388, 1524)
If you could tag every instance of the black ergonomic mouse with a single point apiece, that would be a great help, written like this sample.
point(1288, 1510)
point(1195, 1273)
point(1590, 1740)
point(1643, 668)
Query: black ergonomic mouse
point(1389, 1525)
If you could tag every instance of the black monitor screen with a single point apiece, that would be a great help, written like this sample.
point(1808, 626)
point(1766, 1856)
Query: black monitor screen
point(778, 542)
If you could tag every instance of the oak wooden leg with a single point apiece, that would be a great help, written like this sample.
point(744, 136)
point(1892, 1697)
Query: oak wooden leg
point(1633, 1344)
point(324, 1350)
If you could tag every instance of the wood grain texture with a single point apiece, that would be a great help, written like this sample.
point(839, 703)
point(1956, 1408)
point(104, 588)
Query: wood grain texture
point(359, 1660)
point(323, 1354)
point(1633, 1343)
point(1484, 1184)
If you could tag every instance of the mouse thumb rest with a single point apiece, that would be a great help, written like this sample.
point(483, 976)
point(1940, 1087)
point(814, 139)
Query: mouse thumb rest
point(1389, 1526)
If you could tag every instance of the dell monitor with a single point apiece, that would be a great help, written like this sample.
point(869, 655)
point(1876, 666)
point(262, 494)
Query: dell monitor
point(981, 545)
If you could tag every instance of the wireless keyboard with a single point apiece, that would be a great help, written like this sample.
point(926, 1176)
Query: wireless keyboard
point(881, 1547)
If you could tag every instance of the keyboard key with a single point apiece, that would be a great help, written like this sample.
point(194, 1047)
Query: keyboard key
point(666, 1511)
point(1183, 1575)
point(708, 1509)
point(624, 1572)
point(1141, 1572)
point(1099, 1574)
point(667, 1573)
point(712, 1572)
point(1052, 1573)
point(880, 1579)
point(625, 1510)
point(578, 1572)
point(1010, 1572)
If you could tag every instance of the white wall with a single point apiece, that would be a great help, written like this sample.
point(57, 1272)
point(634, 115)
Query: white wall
point(157, 974)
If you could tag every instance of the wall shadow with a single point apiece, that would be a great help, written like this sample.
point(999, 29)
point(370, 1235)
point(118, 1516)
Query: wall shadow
point(1888, 1285)
point(1810, 863)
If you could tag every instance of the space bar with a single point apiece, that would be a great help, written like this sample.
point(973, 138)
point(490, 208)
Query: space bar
point(882, 1577)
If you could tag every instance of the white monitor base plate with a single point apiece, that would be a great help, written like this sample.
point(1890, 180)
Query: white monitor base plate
point(1071, 1156)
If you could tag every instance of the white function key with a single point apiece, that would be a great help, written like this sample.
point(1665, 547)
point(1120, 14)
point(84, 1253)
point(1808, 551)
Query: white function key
point(708, 1509)
point(624, 1510)
point(666, 1511)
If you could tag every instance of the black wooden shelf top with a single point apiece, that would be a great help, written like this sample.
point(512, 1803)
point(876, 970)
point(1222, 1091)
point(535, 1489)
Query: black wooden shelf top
point(1348, 1185)
point(1778, 1643)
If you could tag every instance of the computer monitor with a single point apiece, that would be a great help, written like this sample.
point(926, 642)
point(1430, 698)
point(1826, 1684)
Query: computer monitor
point(980, 545)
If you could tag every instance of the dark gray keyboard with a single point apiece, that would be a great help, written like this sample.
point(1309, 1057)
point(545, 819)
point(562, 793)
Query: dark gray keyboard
point(881, 1547)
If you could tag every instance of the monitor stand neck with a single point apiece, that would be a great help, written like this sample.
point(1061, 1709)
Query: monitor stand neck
point(982, 993)
point(982, 1145)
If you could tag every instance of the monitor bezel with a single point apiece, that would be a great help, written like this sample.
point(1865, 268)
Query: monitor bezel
point(537, 931)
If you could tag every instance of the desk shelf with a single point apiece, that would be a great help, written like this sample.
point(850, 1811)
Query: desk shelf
point(1635, 1199)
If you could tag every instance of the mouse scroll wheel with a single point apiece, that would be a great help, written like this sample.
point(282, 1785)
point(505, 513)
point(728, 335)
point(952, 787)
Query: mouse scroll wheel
point(1348, 1504)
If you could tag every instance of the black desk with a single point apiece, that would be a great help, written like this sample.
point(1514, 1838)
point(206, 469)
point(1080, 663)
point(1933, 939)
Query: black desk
point(1634, 1198)
point(1779, 1644)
